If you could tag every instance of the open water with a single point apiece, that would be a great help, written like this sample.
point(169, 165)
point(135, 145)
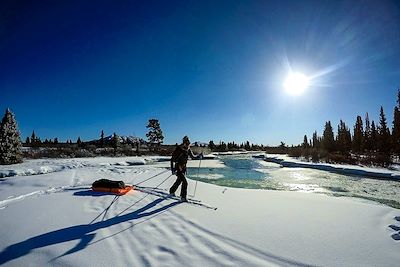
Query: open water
point(246, 172)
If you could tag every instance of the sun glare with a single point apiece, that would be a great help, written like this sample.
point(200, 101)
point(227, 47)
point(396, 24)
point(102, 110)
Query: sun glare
point(296, 83)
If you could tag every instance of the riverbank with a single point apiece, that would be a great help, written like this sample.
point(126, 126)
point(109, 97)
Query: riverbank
point(356, 170)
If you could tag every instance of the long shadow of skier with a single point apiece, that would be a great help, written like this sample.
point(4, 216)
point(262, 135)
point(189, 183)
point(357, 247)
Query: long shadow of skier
point(84, 232)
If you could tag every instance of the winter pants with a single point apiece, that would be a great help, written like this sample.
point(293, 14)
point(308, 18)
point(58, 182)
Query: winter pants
point(180, 179)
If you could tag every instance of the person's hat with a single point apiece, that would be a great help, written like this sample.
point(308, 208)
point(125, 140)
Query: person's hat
point(185, 139)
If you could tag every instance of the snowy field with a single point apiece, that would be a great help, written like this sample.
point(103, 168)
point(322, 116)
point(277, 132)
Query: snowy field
point(50, 217)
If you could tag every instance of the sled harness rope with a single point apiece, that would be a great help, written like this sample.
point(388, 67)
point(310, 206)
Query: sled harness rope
point(146, 194)
point(152, 177)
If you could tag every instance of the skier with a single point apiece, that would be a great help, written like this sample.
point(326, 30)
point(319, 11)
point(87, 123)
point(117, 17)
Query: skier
point(180, 158)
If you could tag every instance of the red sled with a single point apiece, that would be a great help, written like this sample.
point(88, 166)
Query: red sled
point(116, 191)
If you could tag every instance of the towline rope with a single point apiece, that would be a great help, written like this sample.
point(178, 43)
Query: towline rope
point(145, 194)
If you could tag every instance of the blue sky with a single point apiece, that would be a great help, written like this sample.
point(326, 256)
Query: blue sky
point(207, 69)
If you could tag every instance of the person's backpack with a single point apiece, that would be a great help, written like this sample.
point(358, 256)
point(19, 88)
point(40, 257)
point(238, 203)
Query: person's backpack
point(179, 155)
point(105, 183)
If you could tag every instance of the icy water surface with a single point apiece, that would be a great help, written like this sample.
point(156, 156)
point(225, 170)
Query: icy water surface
point(246, 172)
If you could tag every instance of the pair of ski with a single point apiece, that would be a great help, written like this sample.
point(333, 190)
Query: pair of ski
point(192, 201)
point(163, 193)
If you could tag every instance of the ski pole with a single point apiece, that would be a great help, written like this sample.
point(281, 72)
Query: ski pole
point(198, 175)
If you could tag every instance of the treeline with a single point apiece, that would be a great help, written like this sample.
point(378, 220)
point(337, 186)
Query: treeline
point(232, 146)
point(366, 143)
point(113, 145)
point(246, 146)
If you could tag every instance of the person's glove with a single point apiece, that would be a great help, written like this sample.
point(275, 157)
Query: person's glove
point(173, 171)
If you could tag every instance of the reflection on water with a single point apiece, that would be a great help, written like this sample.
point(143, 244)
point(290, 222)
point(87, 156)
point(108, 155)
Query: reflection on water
point(246, 172)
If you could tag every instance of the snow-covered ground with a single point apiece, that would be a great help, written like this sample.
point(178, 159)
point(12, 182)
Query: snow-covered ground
point(49, 216)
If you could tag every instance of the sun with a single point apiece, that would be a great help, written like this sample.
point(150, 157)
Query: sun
point(296, 83)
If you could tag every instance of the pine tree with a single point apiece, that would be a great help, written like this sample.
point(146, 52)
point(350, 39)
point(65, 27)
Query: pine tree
point(358, 136)
point(115, 143)
point(305, 142)
point(79, 141)
point(27, 141)
point(374, 136)
point(34, 139)
point(56, 141)
point(315, 140)
point(222, 146)
point(10, 140)
point(367, 134)
point(155, 134)
point(211, 145)
point(328, 139)
point(102, 139)
point(343, 142)
point(247, 145)
point(396, 126)
point(383, 134)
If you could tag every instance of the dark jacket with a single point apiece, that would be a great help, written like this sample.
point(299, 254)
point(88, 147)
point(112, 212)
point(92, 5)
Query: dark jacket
point(180, 157)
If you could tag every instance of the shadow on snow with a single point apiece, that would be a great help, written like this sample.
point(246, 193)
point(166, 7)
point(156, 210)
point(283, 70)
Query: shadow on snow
point(84, 232)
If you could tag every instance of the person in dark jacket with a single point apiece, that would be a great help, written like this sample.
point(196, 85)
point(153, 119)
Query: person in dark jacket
point(178, 166)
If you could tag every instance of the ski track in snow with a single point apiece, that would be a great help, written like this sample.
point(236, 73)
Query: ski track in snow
point(5, 203)
point(77, 183)
point(51, 166)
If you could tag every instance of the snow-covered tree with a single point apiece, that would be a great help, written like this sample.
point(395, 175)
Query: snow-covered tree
point(10, 140)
